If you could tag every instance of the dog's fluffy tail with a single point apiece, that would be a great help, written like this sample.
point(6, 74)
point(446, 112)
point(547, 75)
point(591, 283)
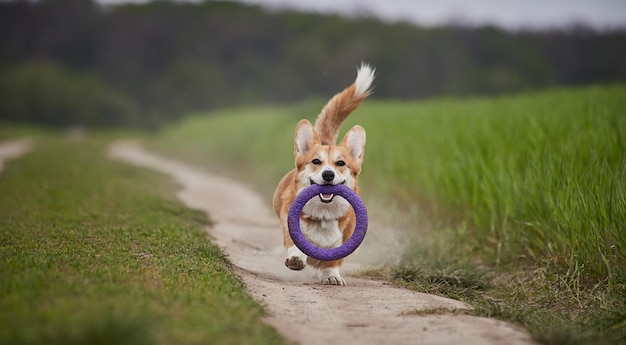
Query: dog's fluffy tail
point(342, 104)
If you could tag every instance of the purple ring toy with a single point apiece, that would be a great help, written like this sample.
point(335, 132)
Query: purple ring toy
point(327, 254)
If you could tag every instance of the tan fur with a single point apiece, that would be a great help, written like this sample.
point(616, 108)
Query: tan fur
point(335, 112)
point(324, 221)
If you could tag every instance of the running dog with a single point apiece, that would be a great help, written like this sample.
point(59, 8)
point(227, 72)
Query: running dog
point(326, 221)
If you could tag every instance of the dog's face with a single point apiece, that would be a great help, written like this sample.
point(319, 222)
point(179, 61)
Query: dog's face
point(327, 164)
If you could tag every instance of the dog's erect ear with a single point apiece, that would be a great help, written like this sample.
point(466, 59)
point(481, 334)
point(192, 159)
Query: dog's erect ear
point(305, 137)
point(354, 141)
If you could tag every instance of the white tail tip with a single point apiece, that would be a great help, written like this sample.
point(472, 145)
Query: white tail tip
point(364, 78)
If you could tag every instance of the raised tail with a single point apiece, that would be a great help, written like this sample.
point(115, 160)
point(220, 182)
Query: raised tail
point(333, 114)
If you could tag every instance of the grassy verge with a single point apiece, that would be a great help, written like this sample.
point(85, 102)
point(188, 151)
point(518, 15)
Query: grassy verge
point(92, 251)
point(530, 189)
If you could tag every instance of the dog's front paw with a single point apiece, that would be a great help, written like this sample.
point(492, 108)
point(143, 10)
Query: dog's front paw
point(333, 280)
point(295, 263)
point(331, 276)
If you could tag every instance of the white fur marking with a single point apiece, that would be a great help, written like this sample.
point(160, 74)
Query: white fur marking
point(331, 276)
point(325, 211)
point(324, 233)
point(364, 78)
point(295, 251)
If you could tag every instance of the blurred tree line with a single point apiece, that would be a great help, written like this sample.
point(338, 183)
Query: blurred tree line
point(74, 62)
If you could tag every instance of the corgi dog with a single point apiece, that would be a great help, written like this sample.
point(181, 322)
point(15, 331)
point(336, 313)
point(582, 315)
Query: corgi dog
point(326, 221)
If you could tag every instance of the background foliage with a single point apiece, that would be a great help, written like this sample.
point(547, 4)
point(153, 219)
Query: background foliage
point(166, 59)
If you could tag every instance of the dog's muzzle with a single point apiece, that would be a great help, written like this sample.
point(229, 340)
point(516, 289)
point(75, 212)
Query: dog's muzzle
point(326, 197)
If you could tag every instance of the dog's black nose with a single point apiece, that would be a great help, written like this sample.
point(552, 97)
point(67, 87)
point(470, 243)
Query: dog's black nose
point(328, 175)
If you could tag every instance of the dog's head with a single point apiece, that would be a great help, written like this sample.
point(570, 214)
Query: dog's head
point(327, 164)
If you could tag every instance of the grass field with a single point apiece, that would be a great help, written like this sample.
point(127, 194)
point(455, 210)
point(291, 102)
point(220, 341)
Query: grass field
point(529, 189)
point(97, 252)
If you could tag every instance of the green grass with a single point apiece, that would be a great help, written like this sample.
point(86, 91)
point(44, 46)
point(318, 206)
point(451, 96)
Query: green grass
point(98, 252)
point(531, 188)
point(540, 176)
point(10, 130)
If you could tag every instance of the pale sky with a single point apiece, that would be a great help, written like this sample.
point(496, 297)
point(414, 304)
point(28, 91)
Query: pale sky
point(512, 14)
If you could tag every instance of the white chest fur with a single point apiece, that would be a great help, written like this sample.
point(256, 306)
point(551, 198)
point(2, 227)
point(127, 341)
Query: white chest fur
point(324, 233)
point(326, 211)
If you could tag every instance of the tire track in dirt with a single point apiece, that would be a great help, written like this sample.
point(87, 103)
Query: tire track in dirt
point(302, 310)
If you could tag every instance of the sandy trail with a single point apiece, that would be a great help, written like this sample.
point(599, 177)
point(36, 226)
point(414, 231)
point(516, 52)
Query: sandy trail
point(13, 149)
point(364, 312)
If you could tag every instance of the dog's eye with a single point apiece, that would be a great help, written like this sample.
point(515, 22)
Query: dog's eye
point(316, 161)
point(341, 163)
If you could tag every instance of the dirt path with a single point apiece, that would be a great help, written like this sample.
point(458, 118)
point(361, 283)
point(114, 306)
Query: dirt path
point(364, 312)
point(13, 149)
